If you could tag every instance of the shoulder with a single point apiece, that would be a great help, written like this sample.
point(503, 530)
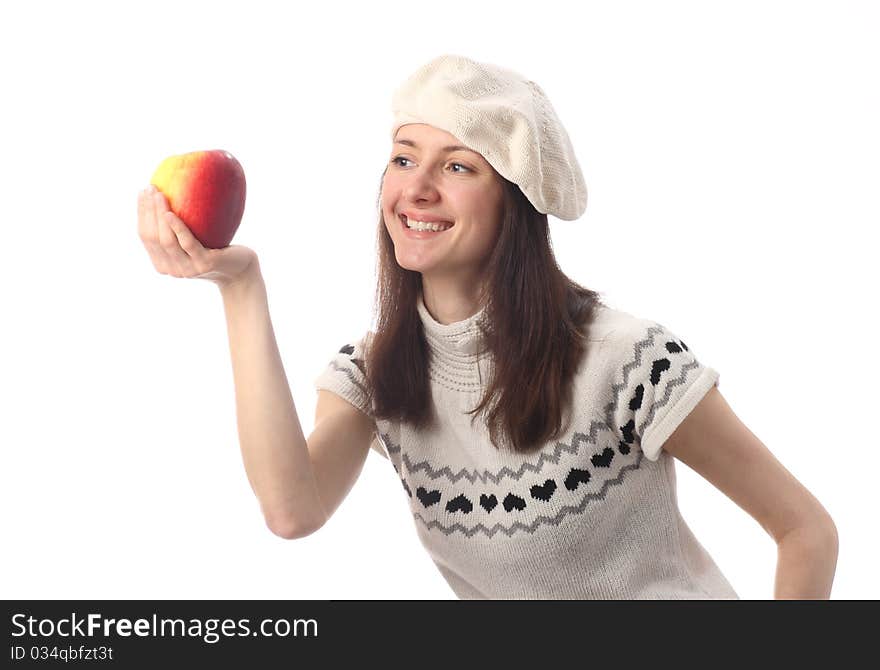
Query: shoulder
point(652, 377)
point(618, 335)
point(627, 350)
point(615, 343)
point(345, 374)
point(621, 332)
point(611, 323)
point(356, 351)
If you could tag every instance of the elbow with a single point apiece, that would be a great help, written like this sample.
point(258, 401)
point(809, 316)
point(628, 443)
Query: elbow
point(820, 533)
point(828, 530)
point(833, 538)
point(292, 530)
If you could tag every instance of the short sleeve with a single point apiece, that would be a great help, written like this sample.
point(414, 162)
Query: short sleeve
point(345, 375)
point(658, 381)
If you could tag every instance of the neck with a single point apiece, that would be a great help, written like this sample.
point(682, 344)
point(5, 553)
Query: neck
point(448, 303)
point(455, 340)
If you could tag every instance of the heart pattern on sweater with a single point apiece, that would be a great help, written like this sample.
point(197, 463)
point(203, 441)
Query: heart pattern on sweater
point(603, 460)
point(636, 401)
point(576, 477)
point(654, 370)
point(427, 498)
point(675, 347)
point(660, 366)
point(513, 502)
point(543, 491)
point(459, 504)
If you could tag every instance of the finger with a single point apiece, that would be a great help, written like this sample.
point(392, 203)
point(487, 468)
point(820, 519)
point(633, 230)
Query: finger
point(190, 244)
point(150, 232)
point(160, 204)
point(176, 260)
point(144, 229)
point(167, 239)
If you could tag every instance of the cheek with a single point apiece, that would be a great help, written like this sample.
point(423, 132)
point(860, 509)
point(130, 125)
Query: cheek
point(490, 238)
point(390, 194)
point(479, 199)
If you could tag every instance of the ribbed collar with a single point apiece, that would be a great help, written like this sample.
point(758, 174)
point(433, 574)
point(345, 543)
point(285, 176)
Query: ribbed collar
point(452, 340)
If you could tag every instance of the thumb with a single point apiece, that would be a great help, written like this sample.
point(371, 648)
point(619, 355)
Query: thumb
point(189, 242)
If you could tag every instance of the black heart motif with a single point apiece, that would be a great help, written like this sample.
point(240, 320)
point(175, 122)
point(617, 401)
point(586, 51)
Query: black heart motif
point(459, 504)
point(628, 431)
point(673, 348)
point(660, 366)
point(488, 502)
point(360, 365)
point(623, 447)
point(513, 502)
point(543, 491)
point(636, 401)
point(603, 460)
point(427, 498)
point(406, 487)
point(575, 477)
point(347, 349)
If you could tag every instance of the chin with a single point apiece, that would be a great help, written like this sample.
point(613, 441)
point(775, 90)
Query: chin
point(408, 263)
point(412, 267)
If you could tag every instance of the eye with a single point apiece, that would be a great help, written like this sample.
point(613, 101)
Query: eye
point(401, 158)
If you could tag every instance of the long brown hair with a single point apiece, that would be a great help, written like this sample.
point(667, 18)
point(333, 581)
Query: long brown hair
point(536, 333)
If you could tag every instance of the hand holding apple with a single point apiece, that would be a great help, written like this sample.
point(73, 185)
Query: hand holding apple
point(175, 251)
point(206, 190)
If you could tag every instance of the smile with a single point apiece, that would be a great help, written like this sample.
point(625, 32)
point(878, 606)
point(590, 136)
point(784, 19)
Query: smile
point(424, 226)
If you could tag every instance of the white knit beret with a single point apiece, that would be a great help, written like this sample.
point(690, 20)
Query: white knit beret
point(504, 117)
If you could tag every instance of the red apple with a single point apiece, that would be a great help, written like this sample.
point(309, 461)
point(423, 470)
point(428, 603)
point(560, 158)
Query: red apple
point(206, 190)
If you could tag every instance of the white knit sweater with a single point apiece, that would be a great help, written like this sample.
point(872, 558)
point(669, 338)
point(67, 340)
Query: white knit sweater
point(593, 515)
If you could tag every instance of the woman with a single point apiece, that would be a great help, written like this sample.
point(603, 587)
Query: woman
point(532, 426)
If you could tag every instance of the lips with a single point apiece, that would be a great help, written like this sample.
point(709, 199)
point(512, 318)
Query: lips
point(403, 219)
point(415, 234)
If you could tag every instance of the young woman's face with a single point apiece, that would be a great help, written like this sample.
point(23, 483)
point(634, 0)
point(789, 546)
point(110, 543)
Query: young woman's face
point(426, 182)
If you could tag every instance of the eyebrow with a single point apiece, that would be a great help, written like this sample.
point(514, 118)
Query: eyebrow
point(454, 147)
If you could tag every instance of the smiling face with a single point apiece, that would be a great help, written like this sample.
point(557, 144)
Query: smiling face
point(427, 181)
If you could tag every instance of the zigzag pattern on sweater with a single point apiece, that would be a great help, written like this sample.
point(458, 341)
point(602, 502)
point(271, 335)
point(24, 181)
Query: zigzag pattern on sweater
point(658, 367)
point(511, 502)
point(526, 504)
point(539, 520)
point(344, 369)
point(553, 457)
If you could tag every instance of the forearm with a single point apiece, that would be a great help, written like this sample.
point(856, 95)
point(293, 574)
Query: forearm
point(806, 562)
point(272, 443)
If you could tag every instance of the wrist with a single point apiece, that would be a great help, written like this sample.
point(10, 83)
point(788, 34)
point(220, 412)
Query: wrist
point(249, 279)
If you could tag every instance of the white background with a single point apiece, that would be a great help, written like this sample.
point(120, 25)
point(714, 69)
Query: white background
point(731, 156)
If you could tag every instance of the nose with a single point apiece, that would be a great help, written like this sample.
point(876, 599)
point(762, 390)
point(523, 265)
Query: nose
point(420, 185)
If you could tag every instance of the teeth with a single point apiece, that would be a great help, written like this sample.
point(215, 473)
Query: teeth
point(423, 225)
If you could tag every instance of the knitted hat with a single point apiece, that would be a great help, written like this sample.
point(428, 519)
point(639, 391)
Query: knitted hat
point(504, 117)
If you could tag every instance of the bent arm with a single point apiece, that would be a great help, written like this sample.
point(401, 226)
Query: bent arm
point(805, 564)
point(271, 439)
